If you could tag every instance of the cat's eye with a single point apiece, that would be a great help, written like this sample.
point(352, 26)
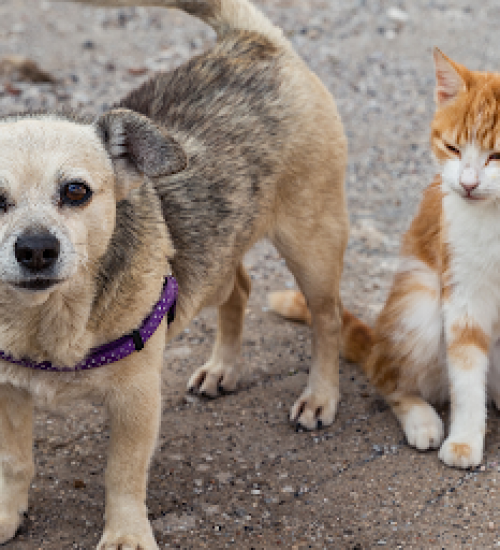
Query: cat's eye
point(494, 156)
point(75, 193)
point(452, 149)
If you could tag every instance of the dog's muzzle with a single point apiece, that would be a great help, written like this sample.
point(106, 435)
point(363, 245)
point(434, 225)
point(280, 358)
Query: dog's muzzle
point(37, 254)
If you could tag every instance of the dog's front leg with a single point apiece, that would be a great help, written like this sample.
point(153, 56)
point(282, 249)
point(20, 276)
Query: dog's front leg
point(134, 405)
point(222, 371)
point(16, 457)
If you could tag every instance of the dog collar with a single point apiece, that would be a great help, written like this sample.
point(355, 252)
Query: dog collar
point(123, 346)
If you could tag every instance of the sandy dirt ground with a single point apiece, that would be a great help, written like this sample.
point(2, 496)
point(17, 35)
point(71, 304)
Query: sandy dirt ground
point(232, 473)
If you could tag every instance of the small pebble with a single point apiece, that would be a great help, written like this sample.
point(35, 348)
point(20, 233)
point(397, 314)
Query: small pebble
point(397, 15)
point(79, 484)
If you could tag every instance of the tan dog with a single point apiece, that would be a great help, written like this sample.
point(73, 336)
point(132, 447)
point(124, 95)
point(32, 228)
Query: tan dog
point(184, 175)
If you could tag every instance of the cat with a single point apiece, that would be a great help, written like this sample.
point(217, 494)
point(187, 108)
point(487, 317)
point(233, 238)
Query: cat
point(437, 337)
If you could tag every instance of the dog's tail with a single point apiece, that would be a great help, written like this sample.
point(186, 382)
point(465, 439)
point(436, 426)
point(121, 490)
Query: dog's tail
point(223, 15)
point(357, 337)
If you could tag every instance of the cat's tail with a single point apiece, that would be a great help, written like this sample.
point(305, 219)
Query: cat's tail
point(357, 336)
point(222, 15)
point(357, 339)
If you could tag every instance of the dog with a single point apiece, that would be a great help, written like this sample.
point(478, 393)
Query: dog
point(180, 177)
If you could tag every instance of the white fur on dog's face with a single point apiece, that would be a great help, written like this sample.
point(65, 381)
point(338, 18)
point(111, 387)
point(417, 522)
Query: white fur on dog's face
point(37, 157)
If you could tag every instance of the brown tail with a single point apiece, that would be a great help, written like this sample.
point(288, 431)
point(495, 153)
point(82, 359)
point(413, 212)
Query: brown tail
point(357, 337)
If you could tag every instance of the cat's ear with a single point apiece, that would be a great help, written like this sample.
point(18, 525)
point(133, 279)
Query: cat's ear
point(450, 79)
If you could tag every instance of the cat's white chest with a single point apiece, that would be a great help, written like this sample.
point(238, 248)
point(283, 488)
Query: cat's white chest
point(473, 236)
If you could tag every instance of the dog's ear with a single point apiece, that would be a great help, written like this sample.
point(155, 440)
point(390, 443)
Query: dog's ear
point(138, 148)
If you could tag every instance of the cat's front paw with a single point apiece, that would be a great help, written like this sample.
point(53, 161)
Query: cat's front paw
point(423, 427)
point(462, 452)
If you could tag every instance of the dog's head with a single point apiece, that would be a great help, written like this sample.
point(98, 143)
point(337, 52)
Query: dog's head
point(60, 180)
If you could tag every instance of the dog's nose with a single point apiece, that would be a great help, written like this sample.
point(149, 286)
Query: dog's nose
point(37, 252)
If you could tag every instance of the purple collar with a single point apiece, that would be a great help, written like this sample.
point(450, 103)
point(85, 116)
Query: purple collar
point(123, 346)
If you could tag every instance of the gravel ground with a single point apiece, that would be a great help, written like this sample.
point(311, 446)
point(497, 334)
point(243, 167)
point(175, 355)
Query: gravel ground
point(232, 472)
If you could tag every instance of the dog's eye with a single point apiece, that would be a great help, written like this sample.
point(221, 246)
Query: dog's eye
point(494, 156)
point(4, 204)
point(75, 193)
point(452, 149)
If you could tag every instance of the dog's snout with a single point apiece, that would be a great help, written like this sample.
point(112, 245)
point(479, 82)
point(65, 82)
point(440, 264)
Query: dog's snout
point(37, 252)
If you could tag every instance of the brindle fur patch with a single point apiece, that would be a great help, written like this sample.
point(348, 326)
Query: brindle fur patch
point(233, 163)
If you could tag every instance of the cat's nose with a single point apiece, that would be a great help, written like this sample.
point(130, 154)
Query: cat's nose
point(469, 186)
point(469, 179)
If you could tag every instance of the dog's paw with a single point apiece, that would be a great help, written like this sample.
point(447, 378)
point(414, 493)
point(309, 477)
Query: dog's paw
point(462, 451)
point(423, 427)
point(8, 526)
point(315, 409)
point(121, 540)
point(213, 379)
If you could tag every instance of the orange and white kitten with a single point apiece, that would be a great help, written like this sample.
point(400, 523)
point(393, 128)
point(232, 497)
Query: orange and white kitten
point(437, 337)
